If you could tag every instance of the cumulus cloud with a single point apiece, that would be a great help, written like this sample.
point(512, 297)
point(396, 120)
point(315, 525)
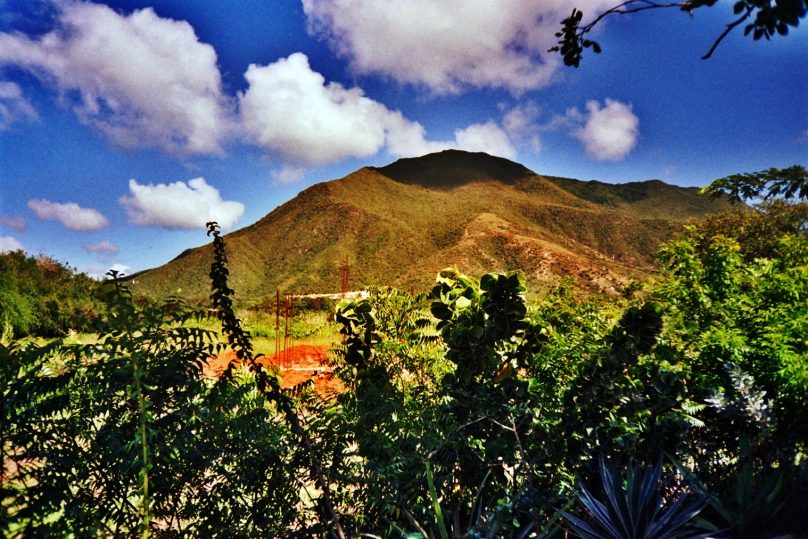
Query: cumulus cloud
point(69, 214)
point(17, 223)
point(447, 46)
point(288, 175)
point(14, 107)
point(609, 132)
point(487, 137)
point(122, 269)
point(179, 205)
point(521, 124)
point(143, 80)
point(408, 140)
point(289, 108)
point(9, 244)
point(104, 248)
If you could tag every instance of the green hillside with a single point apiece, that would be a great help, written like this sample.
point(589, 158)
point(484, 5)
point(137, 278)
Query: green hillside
point(402, 223)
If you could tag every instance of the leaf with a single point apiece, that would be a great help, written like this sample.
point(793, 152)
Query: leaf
point(462, 303)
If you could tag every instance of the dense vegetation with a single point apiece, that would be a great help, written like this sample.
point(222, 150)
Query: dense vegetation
point(467, 412)
point(39, 296)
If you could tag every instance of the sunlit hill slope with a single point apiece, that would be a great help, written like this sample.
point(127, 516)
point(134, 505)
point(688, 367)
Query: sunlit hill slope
point(401, 224)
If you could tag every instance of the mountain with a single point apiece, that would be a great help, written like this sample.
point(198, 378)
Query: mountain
point(402, 223)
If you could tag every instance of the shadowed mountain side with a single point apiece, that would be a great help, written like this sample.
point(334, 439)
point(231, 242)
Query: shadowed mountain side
point(649, 199)
point(450, 168)
point(401, 224)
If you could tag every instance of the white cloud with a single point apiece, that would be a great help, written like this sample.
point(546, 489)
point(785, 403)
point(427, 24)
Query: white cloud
point(521, 124)
point(17, 223)
point(407, 138)
point(69, 214)
point(288, 175)
point(448, 45)
point(103, 246)
point(13, 106)
point(9, 244)
point(487, 137)
point(609, 132)
point(99, 272)
point(179, 205)
point(143, 80)
point(521, 118)
point(122, 269)
point(291, 109)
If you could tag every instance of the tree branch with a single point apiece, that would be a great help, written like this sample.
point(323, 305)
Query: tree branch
point(726, 31)
point(624, 9)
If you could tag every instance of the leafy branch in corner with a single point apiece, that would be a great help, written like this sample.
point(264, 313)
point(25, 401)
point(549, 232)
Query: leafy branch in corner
point(770, 18)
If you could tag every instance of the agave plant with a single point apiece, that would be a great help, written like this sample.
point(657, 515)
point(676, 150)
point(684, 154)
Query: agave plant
point(639, 510)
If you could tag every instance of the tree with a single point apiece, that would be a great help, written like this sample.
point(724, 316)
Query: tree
point(758, 230)
point(791, 182)
point(766, 18)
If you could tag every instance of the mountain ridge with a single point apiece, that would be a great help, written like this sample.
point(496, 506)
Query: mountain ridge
point(400, 224)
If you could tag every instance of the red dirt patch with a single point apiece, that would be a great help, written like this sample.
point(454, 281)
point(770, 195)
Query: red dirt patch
point(304, 355)
point(296, 365)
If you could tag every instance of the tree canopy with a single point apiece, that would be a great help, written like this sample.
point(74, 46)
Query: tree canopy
point(791, 182)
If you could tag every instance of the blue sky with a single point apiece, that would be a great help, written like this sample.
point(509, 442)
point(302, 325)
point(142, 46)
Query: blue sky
point(125, 125)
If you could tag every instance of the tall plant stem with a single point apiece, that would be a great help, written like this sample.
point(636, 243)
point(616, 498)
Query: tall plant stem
point(436, 503)
point(144, 443)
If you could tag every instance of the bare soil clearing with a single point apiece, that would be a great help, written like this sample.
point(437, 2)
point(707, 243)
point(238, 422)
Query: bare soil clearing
point(295, 365)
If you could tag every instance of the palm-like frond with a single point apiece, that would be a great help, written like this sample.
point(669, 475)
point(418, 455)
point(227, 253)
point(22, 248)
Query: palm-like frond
point(636, 511)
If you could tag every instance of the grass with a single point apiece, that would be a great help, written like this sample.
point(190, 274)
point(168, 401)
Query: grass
point(311, 327)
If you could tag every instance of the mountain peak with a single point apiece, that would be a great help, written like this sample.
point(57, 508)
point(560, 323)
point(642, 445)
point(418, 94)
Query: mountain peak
point(478, 212)
point(451, 168)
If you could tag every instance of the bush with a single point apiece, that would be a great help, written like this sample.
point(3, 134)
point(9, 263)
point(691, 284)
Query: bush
point(39, 296)
point(467, 412)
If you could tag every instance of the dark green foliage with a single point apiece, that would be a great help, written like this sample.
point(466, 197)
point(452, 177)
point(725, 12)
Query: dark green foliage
point(572, 44)
point(490, 405)
point(39, 296)
point(752, 500)
point(763, 18)
point(774, 183)
point(640, 510)
point(465, 413)
point(759, 229)
point(267, 385)
point(125, 436)
point(389, 363)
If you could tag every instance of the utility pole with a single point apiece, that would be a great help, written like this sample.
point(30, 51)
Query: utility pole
point(277, 322)
point(288, 315)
